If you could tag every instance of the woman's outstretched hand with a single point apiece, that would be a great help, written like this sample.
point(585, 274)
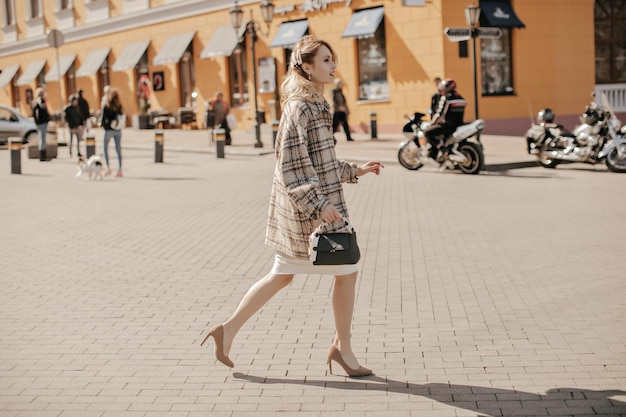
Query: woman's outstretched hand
point(371, 166)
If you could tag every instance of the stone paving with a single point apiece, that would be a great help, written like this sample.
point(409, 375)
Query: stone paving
point(500, 294)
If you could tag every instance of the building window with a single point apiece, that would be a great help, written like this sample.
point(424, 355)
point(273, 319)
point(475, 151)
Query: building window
point(610, 40)
point(103, 76)
point(64, 4)
point(373, 66)
point(35, 8)
point(141, 69)
point(238, 76)
point(70, 81)
point(7, 12)
point(496, 67)
point(187, 78)
point(40, 81)
point(15, 93)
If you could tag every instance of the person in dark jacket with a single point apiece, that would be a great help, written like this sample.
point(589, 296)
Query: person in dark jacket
point(75, 122)
point(434, 100)
point(42, 117)
point(83, 108)
point(447, 118)
point(340, 110)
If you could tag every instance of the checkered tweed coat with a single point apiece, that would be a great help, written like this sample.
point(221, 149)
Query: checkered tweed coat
point(307, 177)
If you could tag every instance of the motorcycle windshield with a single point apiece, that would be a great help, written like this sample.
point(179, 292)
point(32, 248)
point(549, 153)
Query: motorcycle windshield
point(607, 104)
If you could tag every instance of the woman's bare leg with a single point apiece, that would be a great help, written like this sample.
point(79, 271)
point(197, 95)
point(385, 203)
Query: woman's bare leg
point(257, 296)
point(343, 307)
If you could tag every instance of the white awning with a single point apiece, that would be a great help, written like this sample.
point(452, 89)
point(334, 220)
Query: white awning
point(364, 23)
point(289, 33)
point(223, 43)
point(33, 70)
point(7, 74)
point(60, 68)
point(174, 48)
point(93, 62)
point(130, 56)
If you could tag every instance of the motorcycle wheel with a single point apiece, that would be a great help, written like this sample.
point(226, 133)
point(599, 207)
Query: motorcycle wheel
point(408, 156)
point(475, 158)
point(615, 163)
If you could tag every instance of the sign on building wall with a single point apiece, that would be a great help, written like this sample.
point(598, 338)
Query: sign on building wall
point(414, 3)
point(267, 75)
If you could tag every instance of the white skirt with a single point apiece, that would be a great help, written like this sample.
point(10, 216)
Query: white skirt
point(284, 264)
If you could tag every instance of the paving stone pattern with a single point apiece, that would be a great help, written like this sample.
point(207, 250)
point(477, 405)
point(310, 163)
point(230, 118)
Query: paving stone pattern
point(501, 294)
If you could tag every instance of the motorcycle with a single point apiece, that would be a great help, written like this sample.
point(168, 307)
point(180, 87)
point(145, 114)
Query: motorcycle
point(462, 149)
point(600, 137)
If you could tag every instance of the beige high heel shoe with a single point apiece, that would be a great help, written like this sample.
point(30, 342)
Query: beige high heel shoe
point(218, 335)
point(335, 355)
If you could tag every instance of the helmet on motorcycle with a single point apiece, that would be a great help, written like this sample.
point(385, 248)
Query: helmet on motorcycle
point(545, 116)
point(447, 86)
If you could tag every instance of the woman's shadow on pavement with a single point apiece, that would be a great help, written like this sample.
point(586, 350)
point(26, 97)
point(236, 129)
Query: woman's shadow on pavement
point(487, 402)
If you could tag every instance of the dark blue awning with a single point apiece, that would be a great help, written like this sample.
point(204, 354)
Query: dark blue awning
point(364, 23)
point(499, 13)
point(289, 33)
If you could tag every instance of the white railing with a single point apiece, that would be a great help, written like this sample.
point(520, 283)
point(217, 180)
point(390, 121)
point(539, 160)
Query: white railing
point(615, 93)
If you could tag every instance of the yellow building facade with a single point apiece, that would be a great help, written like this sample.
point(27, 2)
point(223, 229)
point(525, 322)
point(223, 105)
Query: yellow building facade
point(176, 55)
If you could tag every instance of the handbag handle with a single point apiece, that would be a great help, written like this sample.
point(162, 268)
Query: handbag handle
point(346, 224)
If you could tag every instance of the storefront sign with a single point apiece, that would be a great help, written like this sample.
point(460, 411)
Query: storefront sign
point(415, 3)
point(309, 6)
point(267, 75)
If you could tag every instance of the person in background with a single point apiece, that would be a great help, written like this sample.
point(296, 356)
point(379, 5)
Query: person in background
point(448, 116)
point(340, 110)
point(434, 100)
point(75, 122)
point(307, 189)
point(221, 108)
point(83, 108)
point(42, 117)
point(110, 113)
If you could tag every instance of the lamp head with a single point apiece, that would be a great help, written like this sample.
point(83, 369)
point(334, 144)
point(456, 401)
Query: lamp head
point(472, 15)
point(236, 16)
point(267, 9)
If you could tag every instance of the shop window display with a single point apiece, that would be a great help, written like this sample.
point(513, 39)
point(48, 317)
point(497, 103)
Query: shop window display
point(372, 63)
point(610, 41)
point(238, 76)
point(495, 58)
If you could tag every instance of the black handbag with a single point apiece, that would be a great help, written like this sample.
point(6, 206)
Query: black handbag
point(334, 248)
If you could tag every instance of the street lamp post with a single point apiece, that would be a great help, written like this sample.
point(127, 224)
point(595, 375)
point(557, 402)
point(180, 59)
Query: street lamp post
point(236, 16)
point(472, 16)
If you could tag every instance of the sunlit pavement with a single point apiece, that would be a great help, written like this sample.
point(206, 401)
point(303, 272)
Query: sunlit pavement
point(500, 294)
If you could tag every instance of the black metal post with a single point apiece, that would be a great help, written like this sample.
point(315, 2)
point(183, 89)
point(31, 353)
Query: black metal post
point(274, 133)
point(373, 126)
point(220, 140)
point(257, 126)
point(90, 145)
point(474, 35)
point(158, 146)
point(15, 144)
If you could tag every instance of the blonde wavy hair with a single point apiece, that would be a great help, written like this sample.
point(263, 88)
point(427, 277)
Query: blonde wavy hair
point(296, 84)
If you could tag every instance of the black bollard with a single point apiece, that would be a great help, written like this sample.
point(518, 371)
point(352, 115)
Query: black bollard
point(274, 133)
point(158, 145)
point(15, 144)
point(373, 127)
point(90, 144)
point(220, 141)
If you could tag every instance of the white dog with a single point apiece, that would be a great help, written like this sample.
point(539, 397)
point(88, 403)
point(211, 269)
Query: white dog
point(91, 167)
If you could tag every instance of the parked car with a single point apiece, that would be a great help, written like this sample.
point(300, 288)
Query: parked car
point(15, 124)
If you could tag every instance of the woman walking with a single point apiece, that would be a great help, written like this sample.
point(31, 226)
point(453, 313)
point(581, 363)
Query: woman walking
point(110, 114)
point(306, 190)
point(42, 117)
